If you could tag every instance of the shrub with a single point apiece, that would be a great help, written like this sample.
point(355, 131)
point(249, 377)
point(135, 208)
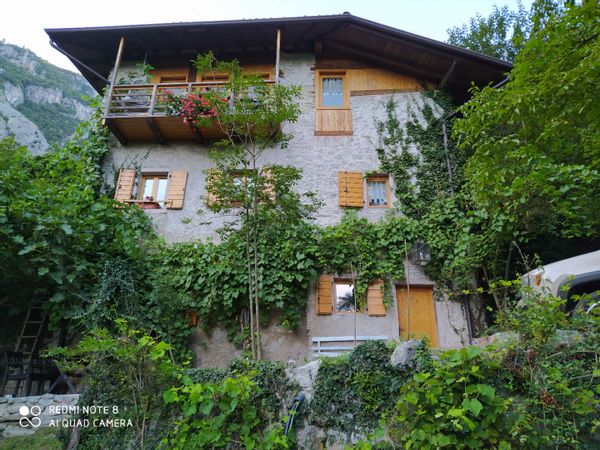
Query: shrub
point(220, 415)
point(452, 406)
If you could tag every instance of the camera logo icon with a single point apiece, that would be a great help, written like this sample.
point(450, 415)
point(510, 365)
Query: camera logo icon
point(26, 421)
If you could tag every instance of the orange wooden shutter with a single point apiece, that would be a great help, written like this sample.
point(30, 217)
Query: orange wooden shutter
point(211, 177)
point(375, 304)
point(325, 295)
point(269, 187)
point(125, 182)
point(350, 187)
point(176, 189)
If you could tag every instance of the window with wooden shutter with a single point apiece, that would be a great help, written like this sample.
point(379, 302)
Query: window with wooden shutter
point(212, 176)
point(325, 295)
point(125, 183)
point(375, 306)
point(269, 186)
point(176, 189)
point(350, 187)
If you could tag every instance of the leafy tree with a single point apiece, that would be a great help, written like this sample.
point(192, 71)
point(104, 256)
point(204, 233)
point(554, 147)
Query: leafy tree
point(501, 35)
point(533, 144)
point(57, 228)
point(249, 112)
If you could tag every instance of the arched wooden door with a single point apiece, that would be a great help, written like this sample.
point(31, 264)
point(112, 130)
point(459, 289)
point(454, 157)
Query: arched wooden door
point(416, 315)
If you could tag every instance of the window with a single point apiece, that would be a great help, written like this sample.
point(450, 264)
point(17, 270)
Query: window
point(344, 297)
point(378, 191)
point(332, 92)
point(153, 190)
point(332, 88)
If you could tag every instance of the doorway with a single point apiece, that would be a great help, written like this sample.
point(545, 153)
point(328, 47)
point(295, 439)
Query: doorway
point(416, 315)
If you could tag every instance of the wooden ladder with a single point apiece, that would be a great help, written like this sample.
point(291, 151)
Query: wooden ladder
point(32, 333)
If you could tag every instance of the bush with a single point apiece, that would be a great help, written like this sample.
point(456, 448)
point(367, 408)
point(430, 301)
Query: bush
point(452, 406)
point(130, 370)
point(220, 415)
point(352, 391)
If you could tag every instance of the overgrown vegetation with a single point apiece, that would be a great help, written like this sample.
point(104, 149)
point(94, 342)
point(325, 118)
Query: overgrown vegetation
point(536, 389)
point(352, 391)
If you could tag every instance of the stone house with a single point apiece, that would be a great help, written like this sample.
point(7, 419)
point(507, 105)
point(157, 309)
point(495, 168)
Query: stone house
point(347, 67)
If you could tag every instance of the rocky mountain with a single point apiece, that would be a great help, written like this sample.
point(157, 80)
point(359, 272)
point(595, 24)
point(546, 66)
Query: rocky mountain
point(40, 104)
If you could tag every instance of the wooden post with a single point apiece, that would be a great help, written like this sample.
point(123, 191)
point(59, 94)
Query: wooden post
point(277, 51)
point(113, 79)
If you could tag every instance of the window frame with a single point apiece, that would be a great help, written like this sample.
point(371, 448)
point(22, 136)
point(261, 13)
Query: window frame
point(343, 280)
point(156, 176)
point(379, 177)
point(321, 74)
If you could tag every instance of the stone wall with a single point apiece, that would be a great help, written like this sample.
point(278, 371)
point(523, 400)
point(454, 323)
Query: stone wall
point(12, 410)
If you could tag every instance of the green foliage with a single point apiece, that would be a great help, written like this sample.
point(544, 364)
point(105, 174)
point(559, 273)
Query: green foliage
point(272, 393)
point(453, 406)
point(536, 391)
point(220, 415)
point(352, 391)
point(535, 157)
point(369, 250)
point(130, 370)
point(57, 229)
point(43, 439)
point(501, 35)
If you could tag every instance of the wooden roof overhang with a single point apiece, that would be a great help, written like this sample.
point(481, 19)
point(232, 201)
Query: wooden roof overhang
point(93, 50)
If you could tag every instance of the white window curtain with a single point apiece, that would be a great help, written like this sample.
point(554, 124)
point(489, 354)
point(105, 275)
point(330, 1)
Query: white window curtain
point(377, 193)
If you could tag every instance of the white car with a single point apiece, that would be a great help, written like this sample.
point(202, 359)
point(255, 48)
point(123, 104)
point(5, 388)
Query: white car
point(573, 276)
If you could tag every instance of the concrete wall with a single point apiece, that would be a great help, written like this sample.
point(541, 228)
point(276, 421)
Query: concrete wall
point(320, 158)
point(11, 412)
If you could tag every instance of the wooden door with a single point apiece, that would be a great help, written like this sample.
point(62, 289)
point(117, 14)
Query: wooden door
point(417, 316)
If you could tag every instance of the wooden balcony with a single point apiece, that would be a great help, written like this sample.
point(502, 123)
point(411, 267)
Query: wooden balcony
point(139, 113)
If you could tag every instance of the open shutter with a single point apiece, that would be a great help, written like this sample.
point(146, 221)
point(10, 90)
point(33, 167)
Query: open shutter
point(211, 198)
point(375, 304)
point(325, 295)
point(176, 189)
point(350, 187)
point(269, 187)
point(125, 182)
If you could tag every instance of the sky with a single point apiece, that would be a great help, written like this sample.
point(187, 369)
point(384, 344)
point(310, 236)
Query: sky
point(22, 23)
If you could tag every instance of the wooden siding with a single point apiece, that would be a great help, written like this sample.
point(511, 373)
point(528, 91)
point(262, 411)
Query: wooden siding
point(372, 81)
point(334, 122)
point(375, 306)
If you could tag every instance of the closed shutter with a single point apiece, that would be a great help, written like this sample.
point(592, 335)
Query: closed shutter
point(350, 187)
point(325, 295)
point(125, 182)
point(211, 198)
point(269, 186)
point(176, 189)
point(375, 304)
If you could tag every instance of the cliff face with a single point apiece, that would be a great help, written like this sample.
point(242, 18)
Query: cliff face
point(40, 104)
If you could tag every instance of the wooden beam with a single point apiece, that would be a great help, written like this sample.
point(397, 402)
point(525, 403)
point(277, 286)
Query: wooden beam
point(113, 79)
point(115, 130)
point(396, 63)
point(155, 130)
point(318, 49)
point(448, 75)
point(277, 54)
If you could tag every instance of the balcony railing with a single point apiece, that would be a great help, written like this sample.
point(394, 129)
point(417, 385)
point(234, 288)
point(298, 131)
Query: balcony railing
point(150, 100)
